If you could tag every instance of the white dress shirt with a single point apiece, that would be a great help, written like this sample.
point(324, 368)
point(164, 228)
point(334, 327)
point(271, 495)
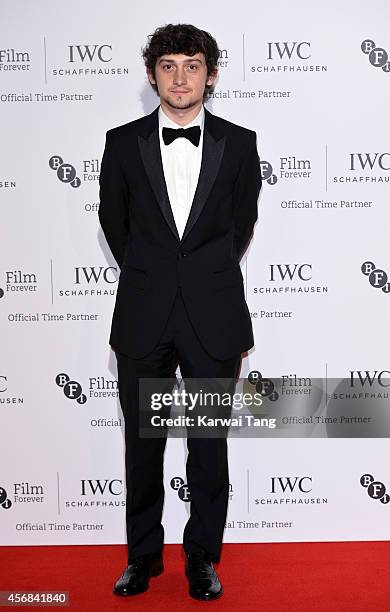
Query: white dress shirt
point(181, 164)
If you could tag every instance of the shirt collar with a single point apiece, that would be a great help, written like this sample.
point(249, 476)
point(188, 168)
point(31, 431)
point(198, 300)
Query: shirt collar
point(165, 121)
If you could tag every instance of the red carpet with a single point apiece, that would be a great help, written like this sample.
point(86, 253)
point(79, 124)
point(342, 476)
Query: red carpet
point(267, 577)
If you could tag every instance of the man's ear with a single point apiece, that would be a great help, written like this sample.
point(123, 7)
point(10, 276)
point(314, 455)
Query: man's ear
point(212, 77)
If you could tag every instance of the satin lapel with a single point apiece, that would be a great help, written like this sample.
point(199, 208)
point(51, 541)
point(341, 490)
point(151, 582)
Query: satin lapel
point(212, 152)
point(211, 160)
point(151, 157)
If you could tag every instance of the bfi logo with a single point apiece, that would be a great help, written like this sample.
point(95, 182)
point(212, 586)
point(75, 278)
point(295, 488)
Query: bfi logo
point(71, 388)
point(267, 172)
point(375, 488)
point(264, 386)
point(66, 173)
point(377, 56)
point(182, 489)
point(5, 502)
point(376, 277)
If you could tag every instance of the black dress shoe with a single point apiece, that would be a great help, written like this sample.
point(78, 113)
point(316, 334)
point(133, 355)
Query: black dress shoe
point(202, 577)
point(135, 578)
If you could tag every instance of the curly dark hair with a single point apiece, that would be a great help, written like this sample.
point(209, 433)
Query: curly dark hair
point(181, 38)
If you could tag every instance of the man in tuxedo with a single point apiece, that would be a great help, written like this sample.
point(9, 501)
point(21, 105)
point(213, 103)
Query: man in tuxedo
point(178, 203)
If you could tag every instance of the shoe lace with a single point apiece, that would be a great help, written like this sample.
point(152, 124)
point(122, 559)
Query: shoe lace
point(141, 563)
point(199, 564)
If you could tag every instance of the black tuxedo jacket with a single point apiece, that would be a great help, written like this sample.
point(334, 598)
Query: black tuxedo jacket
point(138, 223)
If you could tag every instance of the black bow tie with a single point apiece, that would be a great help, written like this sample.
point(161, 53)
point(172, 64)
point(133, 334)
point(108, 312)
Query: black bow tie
point(192, 133)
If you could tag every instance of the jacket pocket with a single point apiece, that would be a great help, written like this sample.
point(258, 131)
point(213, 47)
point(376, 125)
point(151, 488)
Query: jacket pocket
point(134, 276)
point(228, 277)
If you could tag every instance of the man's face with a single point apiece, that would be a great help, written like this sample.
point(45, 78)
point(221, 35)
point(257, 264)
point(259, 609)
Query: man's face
point(181, 79)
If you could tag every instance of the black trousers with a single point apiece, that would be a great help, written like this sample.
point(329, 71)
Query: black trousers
point(207, 462)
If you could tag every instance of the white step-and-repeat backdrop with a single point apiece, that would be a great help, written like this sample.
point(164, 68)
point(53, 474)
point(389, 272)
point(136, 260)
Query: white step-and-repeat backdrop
point(313, 80)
